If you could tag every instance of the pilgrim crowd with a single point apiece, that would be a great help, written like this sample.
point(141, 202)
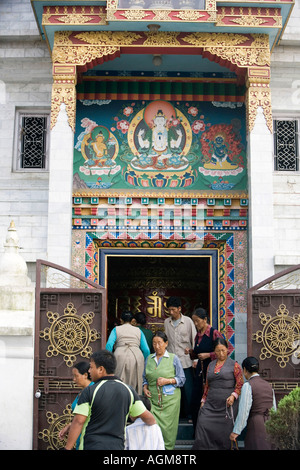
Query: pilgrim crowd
point(134, 392)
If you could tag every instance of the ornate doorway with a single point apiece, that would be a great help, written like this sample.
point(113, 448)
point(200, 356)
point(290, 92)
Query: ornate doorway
point(70, 324)
point(144, 284)
point(142, 281)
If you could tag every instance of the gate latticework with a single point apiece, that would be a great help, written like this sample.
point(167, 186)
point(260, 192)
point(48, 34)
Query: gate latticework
point(274, 329)
point(70, 324)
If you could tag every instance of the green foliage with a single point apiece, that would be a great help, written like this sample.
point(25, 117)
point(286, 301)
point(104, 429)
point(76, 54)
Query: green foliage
point(283, 427)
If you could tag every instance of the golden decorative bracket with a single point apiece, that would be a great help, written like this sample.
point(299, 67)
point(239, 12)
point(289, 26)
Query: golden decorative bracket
point(258, 94)
point(64, 91)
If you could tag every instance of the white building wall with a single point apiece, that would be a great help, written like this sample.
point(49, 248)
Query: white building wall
point(60, 191)
point(285, 86)
point(25, 82)
point(261, 228)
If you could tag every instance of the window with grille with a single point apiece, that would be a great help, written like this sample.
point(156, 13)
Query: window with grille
point(32, 141)
point(286, 144)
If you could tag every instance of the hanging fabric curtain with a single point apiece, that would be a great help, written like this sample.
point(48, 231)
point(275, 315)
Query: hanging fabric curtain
point(166, 90)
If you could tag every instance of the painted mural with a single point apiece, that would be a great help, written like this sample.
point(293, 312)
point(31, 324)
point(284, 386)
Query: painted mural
point(160, 144)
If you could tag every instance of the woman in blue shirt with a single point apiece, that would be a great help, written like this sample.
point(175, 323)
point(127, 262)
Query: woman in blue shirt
point(129, 345)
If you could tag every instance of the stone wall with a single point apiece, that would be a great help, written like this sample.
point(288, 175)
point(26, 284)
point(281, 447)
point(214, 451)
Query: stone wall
point(285, 85)
point(25, 82)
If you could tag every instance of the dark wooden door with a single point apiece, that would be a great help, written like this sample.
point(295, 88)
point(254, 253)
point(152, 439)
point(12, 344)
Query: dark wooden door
point(70, 325)
point(143, 284)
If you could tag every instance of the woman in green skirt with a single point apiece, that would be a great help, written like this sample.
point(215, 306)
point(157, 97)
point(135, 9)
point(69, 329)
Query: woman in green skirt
point(163, 376)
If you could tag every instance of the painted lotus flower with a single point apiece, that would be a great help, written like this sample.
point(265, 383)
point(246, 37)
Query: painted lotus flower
point(198, 126)
point(193, 111)
point(128, 110)
point(123, 126)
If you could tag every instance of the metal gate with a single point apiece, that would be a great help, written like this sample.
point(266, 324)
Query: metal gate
point(274, 329)
point(70, 324)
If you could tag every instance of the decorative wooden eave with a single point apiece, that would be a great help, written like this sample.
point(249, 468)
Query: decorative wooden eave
point(222, 16)
point(246, 16)
point(247, 54)
point(81, 36)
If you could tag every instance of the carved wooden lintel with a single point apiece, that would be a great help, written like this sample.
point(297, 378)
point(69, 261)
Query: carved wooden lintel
point(246, 54)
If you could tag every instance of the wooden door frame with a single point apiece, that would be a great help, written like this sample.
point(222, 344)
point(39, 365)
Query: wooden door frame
point(213, 254)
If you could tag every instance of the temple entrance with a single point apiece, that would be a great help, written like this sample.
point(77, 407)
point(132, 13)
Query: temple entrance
point(143, 283)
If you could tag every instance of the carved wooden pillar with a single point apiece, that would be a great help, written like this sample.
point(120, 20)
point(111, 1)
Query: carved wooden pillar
point(63, 110)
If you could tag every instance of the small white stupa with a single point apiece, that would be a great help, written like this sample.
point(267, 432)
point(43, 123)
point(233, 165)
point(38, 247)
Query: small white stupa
point(13, 268)
point(17, 314)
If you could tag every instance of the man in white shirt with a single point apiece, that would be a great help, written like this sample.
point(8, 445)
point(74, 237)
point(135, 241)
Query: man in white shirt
point(181, 333)
point(142, 437)
point(254, 404)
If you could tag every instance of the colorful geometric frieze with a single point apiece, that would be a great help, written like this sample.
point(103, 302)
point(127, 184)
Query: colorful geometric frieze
point(159, 145)
point(158, 218)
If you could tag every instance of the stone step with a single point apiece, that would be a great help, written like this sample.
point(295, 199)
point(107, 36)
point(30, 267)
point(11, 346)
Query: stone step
point(181, 444)
point(185, 436)
point(185, 430)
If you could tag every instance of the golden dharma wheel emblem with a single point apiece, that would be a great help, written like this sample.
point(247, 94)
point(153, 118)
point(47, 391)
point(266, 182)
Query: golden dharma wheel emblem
point(280, 336)
point(56, 424)
point(69, 335)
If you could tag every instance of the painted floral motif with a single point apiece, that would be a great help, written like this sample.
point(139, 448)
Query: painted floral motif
point(193, 111)
point(128, 110)
point(198, 126)
point(123, 126)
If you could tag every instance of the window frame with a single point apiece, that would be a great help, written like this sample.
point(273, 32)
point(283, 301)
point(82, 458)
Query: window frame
point(19, 114)
point(284, 117)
